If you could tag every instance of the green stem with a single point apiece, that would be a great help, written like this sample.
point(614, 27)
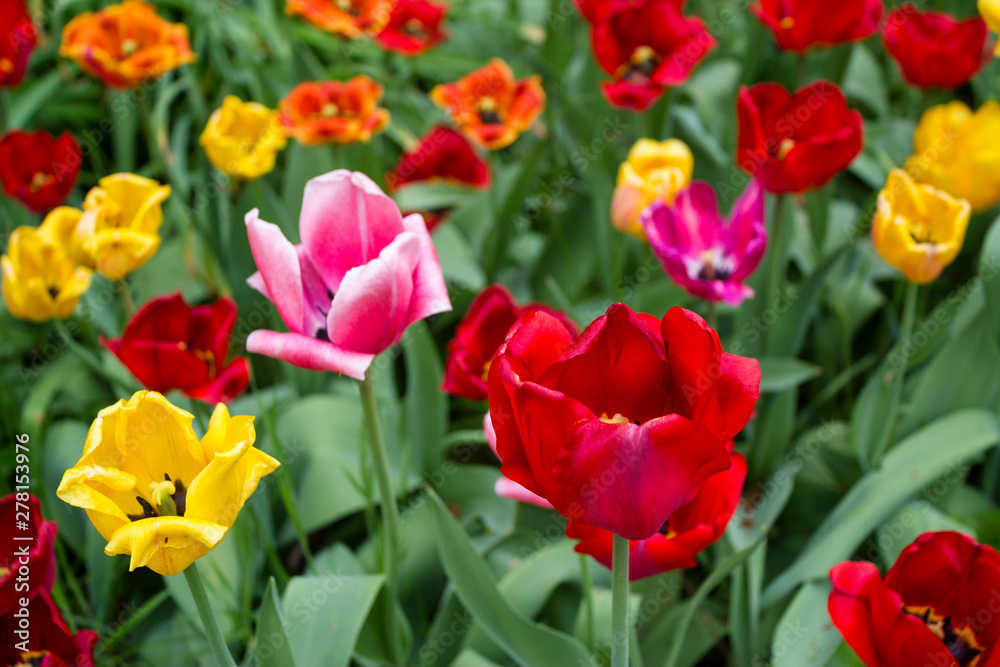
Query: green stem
point(4, 108)
point(899, 374)
point(588, 601)
point(619, 603)
point(212, 630)
point(390, 512)
point(776, 265)
point(494, 252)
point(713, 315)
point(128, 306)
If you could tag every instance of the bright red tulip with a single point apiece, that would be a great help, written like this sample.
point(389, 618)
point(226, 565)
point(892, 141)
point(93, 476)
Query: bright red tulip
point(794, 143)
point(646, 46)
point(171, 345)
point(799, 25)
point(937, 606)
point(50, 642)
point(936, 50)
point(41, 543)
point(414, 27)
point(442, 155)
point(688, 531)
point(620, 427)
point(17, 40)
point(478, 337)
point(37, 169)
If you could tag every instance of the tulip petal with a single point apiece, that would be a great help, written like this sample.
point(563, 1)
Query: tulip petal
point(307, 352)
point(166, 544)
point(430, 293)
point(279, 269)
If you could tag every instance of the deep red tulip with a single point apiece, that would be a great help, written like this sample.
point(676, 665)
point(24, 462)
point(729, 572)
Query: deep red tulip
point(596, 11)
point(794, 143)
point(442, 155)
point(478, 336)
point(937, 606)
point(936, 50)
point(41, 544)
point(17, 39)
point(414, 27)
point(799, 25)
point(647, 47)
point(688, 531)
point(37, 169)
point(48, 642)
point(620, 427)
point(171, 345)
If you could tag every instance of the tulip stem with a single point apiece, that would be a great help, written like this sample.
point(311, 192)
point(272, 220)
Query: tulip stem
point(126, 299)
point(776, 265)
point(588, 601)
point(619, 602)
point(390, 513)
point(214, 634)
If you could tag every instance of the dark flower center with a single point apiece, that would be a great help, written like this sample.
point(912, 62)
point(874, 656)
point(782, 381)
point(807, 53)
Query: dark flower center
point(960, 643)
point(414, 28)
point(178, 499)
point(713, 264)
point(640, 67)
point(488, 113)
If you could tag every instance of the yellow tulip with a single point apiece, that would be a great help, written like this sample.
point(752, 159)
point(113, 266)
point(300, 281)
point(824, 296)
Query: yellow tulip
point(958, 151)
point(990, 11)
point(918, 228)
point(40, 281)
point(242, 139)
point(157, 493)
point(117, 231)
point(654, 170)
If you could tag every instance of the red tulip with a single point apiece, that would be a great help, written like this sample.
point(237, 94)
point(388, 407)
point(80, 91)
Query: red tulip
point(935, 50)
point(171, 345)
point(937, 606)
point(621, 426)
point(646, 46)
point(688, 531)
point(441, 155)
point(414, 27)
point(37, 169)
point(799, 25)
point(48, 641)
point(17, 39)
point(478, 336)
point(40, 542)
point(794, 143)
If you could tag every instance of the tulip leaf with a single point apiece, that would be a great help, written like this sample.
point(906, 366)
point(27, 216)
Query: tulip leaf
point(805, 637)
point(527, 642)
point(325, 615)
point(780, 373)
point(916, 518)
point(272, 647)
point(458, 264)
point(918, 460)
point(425, 407)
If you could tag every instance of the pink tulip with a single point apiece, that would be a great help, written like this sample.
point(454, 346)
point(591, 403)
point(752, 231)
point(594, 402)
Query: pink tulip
point(362, 274)
point(699, 250)
point(504, 487)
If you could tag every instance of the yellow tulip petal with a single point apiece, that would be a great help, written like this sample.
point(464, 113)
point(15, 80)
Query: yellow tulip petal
point(119, 252)
point(102, 492)
point(165, 544)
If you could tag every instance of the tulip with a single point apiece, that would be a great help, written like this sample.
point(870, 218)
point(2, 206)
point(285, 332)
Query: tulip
point(50, 642)
point(489, 106)
point(506, 488)
point(706, 255)
point(620, 427)
point(958, 151)
point(242, 139)
point(126, 44)
point(17, 40)
point(918, 228)
point(348, 18)
point(37, 169)
point(654, 170)
point(157, 493)
point(442, 155)
point(794, 143)
point(480, 334)
point(935, 50)
point(360, 277)
point(801, 25)
point(316, 113)
point(647, 47)
point(690, 529)
point(171, 345)
point(990, 11)
point(929, 610)
point(414, 27)
point(40, 280)
point(39, 536)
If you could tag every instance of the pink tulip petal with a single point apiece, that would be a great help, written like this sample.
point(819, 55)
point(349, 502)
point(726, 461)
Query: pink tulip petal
point(278, 262)
point(430, 294)
point(505, 488)
point(311, 353)
point(256, 282)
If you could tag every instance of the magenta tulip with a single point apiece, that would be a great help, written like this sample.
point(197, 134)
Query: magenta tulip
point(362, 274)
point(702, 252)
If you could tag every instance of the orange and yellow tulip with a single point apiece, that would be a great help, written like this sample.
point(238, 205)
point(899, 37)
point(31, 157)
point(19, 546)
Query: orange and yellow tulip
point(348, 18)
point(327, 112)
point(653, 170)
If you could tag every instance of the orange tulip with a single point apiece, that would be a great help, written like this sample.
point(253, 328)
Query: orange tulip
point(347, 18)
point(324, 112)
point(126, 44)
point(489, 106)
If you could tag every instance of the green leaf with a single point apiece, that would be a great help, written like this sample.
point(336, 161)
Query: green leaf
point(911, 521)
point(425, 406)
point(271, 647)
point(528, 643)
point(910, 466)
point(780, 373)
point(459, 265)
point(805, 637)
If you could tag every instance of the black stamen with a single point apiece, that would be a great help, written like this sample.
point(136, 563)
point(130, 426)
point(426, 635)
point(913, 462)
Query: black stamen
point(148, 511)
